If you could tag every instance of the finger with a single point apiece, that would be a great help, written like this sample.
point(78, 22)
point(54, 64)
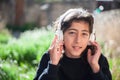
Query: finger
point(59, 46)
point(97, 48)
point(89, 53)
point(53, 42)
point(97, 45)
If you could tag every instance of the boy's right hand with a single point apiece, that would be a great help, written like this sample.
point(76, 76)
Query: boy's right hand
point(55, 50)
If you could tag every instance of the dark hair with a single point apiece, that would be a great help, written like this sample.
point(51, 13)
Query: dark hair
point(67, 24)
point(77, 14)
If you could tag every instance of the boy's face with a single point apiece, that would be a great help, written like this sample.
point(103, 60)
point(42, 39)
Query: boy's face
point(76, 39)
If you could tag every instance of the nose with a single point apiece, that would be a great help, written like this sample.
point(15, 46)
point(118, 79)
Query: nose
point(78, 39)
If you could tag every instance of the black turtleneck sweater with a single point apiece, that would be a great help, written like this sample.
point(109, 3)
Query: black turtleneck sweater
point(71, 69)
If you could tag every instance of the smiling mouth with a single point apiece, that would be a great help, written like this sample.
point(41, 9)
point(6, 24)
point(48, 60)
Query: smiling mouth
point(77, 47)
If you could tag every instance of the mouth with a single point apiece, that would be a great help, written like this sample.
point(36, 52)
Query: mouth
point(77, 47)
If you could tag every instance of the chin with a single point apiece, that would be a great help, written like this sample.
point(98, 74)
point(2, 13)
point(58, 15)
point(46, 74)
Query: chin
point(76, 55)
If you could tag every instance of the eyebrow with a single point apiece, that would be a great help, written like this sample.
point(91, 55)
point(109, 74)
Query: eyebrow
point(85, 31)
point(77, 30)
point(72, 29)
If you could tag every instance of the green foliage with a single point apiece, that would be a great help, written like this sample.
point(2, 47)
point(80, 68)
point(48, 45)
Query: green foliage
point(115, 69)
point(19, 57)
point(27, 47)
point(4, 36)
point(24, 27)
point(8, 71)
point(11, 71)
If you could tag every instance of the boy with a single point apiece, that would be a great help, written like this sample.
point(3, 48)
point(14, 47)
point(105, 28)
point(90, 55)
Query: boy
point(78, 61)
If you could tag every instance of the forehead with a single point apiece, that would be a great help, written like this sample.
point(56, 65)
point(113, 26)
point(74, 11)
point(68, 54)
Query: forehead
point(79, 25)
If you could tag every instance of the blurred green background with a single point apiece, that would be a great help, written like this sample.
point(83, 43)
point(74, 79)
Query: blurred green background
point(26, 33)
point(19, 57)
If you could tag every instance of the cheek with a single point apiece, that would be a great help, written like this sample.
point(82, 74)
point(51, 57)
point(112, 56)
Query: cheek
point(86, 42)
point(67, 40)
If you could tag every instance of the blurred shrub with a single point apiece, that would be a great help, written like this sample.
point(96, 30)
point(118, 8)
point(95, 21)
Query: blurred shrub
point(25, 49)
point(114, 62)
point(24, 27)
point(19, 57)
point(115, 69)
point(4, 36)
point(9, 70)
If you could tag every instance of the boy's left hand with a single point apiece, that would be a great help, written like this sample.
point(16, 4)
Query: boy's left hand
point(94, 59)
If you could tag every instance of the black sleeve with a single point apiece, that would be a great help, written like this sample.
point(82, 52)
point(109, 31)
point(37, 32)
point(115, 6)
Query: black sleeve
point(46, 71)
point(104, 73)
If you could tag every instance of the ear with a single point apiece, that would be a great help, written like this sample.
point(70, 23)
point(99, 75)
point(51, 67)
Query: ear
point(63, 42)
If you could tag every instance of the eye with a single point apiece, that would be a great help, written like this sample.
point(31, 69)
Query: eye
point(71, 32)
point(85, 34)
